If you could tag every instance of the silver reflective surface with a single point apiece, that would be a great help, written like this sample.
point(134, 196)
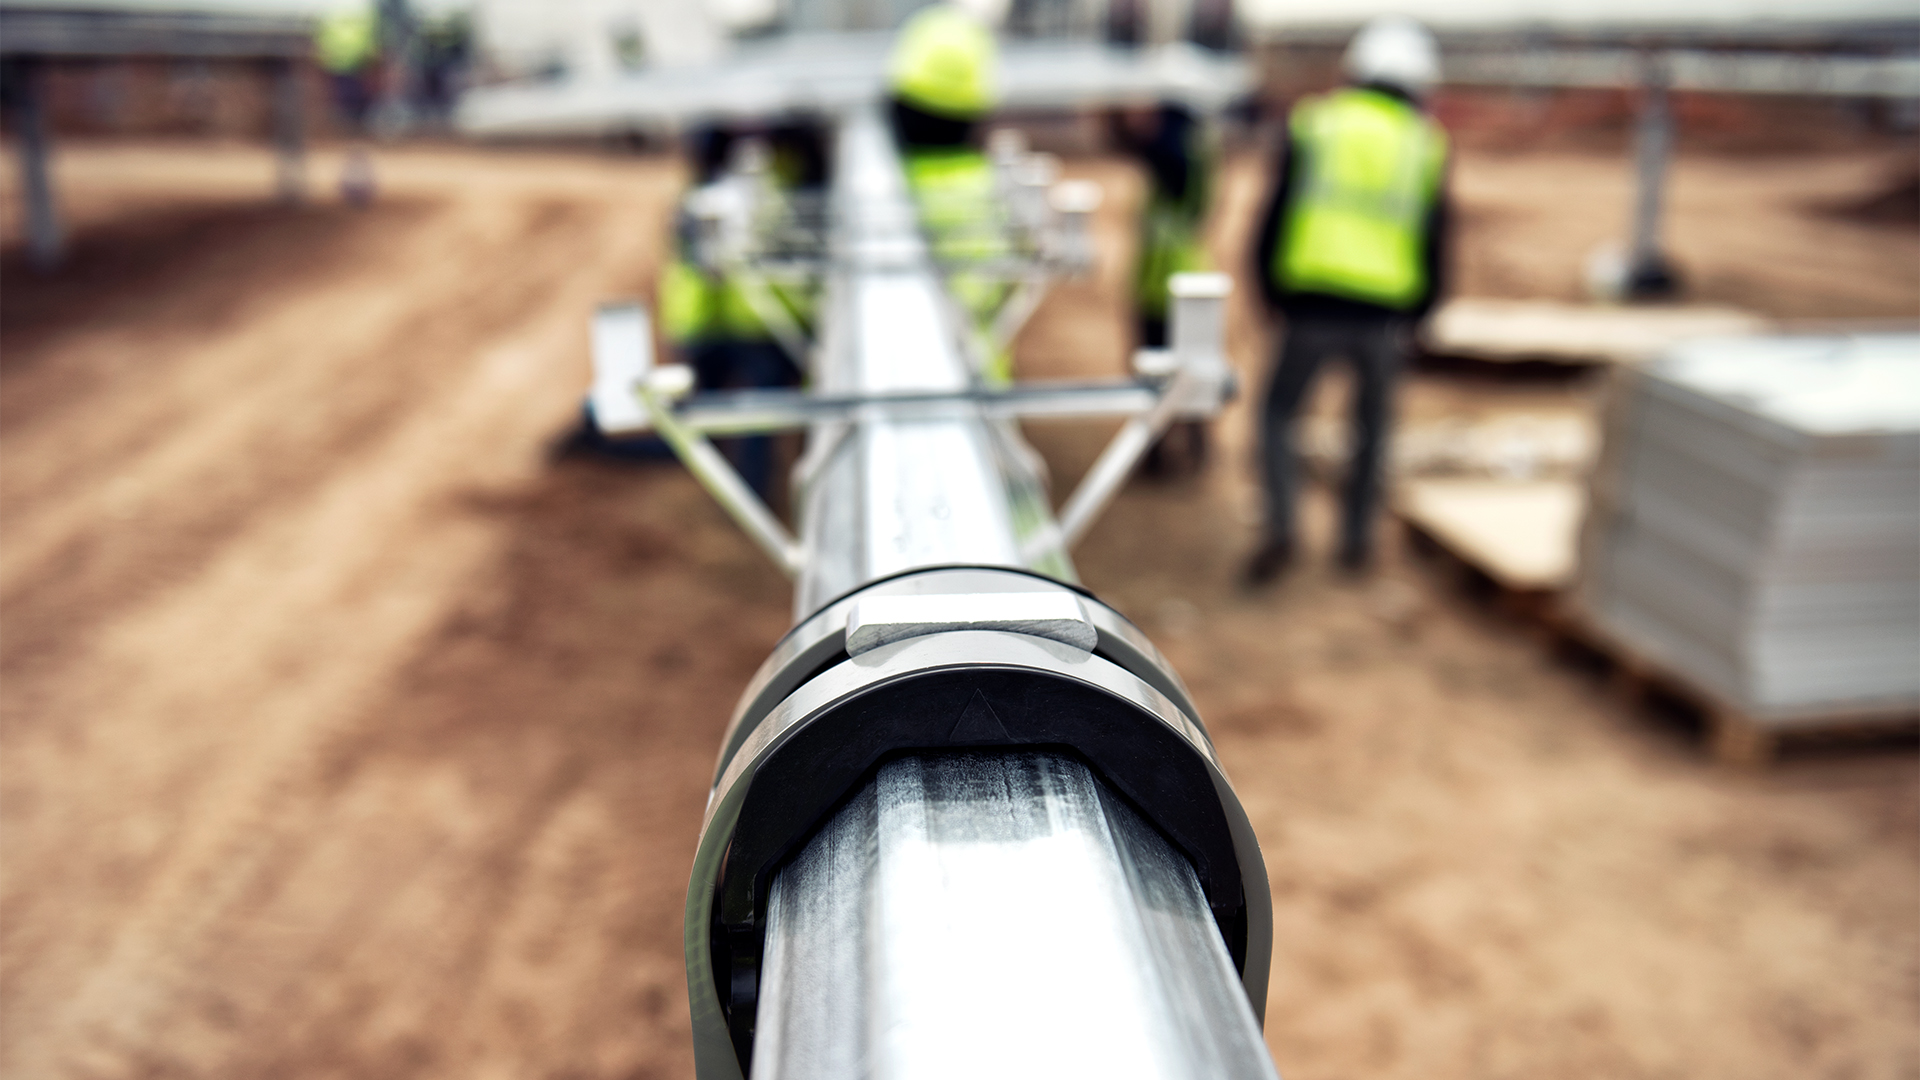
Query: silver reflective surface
point(978, 915)
point(903, 491)
point(996, 915)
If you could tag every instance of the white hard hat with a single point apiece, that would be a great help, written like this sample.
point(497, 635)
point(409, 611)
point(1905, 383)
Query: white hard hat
point(1397, 51)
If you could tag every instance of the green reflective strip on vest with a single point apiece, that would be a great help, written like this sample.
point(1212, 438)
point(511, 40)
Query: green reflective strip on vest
point(1171, 242)
point(953, 192)
point(1356, 226)
point(1173, 232)
point(685, 303)
point(696, 308)
point(735, 314)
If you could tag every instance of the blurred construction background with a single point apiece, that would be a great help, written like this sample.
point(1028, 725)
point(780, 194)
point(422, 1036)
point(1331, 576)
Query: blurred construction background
point(348, 733)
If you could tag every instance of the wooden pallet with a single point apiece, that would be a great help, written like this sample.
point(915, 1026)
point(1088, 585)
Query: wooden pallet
point(1517, 548)
point(1510, 333)
point(1734, 736)
point(1513, 539)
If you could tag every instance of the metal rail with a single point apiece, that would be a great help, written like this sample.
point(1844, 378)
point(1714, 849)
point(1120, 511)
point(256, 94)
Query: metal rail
point(32, 39)
point(1812, 73)
point(895, 492)
point(1004, 912)
point(826, 73)
point(748, 411)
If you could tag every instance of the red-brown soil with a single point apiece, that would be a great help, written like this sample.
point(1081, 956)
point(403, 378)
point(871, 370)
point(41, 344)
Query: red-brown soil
point(345, 736)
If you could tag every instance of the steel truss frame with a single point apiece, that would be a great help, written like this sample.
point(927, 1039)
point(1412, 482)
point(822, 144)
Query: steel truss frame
point(965, 821)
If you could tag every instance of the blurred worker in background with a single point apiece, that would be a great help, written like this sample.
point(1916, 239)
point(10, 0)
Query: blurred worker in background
point(445, 52)
point(942, 76)
point(1351, 251)
point(347, 45)
point(717, 318)
point(1179, 155)
point(1211, 25)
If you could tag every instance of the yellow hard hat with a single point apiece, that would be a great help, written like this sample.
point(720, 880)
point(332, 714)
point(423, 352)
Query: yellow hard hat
point(943, 63)
point(347, 39)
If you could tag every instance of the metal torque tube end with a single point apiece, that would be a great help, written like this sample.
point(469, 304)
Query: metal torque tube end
point(789, 772)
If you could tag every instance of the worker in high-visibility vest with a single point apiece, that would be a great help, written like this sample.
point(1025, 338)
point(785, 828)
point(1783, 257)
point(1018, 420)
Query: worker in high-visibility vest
point(710, 318)
point(1351, 252)
point(346, 43)
point(1178, 152)
point(942, 75)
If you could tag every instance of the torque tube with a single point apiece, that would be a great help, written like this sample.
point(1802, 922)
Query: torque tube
point(965, 820)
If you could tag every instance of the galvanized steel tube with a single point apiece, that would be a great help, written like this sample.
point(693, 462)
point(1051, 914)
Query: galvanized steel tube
point(979, 914)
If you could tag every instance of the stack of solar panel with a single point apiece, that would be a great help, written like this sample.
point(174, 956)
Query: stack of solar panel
point(1755, 525)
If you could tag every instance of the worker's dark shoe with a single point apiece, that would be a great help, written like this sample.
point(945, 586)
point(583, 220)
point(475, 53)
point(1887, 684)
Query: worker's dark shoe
point(1269, 562)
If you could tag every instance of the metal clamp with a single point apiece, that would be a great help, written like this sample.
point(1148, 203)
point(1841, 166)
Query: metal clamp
point(625, 376)
point(882, 620)
point(958, 689)
point(630, 395)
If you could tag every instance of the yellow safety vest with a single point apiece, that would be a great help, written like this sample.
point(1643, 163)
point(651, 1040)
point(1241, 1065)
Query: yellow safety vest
point(696, 308)
point(1172, 239)
point(953, 190)
point(1356, 226)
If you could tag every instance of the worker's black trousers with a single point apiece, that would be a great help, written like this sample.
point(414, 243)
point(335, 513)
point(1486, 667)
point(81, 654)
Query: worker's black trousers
point(1375, 349)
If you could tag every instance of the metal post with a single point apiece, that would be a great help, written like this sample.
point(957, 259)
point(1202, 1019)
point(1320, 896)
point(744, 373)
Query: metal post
point(1649, 274)
point(393, 115)
point(989, 914)
point(289, 131)
point(1200, 373)
point(26, 94)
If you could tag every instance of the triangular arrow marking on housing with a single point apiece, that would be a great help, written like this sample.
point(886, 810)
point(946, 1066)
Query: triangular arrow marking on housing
point(978, 723)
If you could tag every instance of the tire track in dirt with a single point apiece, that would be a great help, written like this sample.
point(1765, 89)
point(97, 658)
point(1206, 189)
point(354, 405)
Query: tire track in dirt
point(244, 430)
point(403, 779)
point(293, 618)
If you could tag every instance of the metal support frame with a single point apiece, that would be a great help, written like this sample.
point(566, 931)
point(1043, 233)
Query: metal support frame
point(1196, 385)
point(686, 422)
point(879, 251)
point(750, 412)
point(718, 476)
point(32, 37)
point(26, 98)
point(289, 131)
point(726, 215)
point(629, 389)
point(1066, 250)
point(1649, 273)
point(1200, 382)
point(906, 937)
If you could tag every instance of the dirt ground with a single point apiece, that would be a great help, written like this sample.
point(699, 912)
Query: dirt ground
point(345, 736)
